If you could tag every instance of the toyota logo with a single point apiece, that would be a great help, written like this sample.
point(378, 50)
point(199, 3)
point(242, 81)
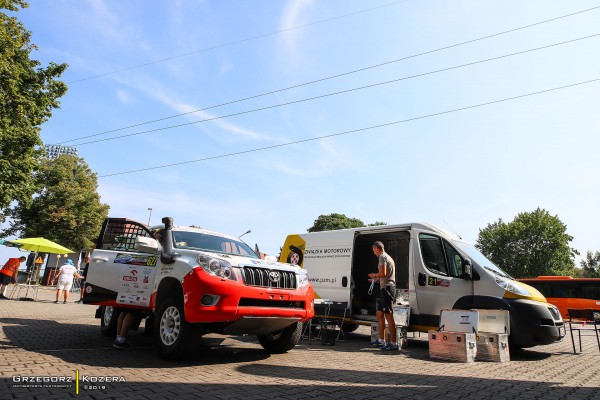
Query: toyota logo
point(274, 276)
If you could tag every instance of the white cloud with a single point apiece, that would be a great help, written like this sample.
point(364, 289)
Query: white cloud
point(323, 159)
point(294, 14)
point(124, 96)
point(225, 68)
point(158, 92)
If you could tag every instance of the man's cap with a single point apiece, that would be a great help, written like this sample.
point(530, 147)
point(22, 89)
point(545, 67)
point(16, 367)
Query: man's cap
point(70, 262)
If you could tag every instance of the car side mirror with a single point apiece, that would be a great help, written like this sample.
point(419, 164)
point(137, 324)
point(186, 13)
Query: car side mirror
point(147, 245)
point(467, 269)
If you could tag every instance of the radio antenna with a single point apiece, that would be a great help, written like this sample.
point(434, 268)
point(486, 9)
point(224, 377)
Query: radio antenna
point(452, 229)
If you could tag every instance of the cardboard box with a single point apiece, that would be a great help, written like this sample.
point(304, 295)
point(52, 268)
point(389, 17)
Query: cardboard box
point(452, 346)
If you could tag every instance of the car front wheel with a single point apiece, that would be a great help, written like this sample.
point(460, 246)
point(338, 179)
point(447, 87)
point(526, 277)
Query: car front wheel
point(175, 338)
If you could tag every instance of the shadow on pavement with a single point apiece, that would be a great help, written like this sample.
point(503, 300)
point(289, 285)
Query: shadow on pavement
point(83, 344)
point(322, 384)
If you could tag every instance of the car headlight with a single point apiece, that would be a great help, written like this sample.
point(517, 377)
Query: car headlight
point(511, 286)
point(216, 267)
point(302, 278)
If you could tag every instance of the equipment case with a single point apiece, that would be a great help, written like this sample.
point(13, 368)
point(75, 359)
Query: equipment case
point(452, 346)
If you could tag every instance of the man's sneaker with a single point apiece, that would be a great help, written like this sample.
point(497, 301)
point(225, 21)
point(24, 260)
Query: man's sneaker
point(121, 345)
point(56, 302)
point(390, 347)
point(377, 343)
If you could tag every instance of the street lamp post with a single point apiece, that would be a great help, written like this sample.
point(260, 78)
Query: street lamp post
point(149, 216)
point(245, 233)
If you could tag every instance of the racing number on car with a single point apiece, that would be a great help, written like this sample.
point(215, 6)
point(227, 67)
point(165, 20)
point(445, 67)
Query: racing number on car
point(432, 281)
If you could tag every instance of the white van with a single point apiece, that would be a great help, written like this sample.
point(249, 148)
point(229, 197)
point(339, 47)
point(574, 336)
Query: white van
point(437, 269)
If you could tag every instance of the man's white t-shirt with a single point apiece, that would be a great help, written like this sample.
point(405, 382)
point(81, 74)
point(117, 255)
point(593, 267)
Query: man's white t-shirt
point(67, 272)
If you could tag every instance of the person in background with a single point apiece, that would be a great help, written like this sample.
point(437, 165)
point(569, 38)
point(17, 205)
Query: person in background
point(65, 275)
point(85, 271)
point(8, 273)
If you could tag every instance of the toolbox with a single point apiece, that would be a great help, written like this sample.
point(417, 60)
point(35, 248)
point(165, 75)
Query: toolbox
point(452, 346)
point(492, 347)
point(493, 321)
point(459, 321)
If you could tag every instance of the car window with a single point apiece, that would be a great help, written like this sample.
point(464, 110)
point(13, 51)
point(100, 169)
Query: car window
point(120, 235)
point(432, 253)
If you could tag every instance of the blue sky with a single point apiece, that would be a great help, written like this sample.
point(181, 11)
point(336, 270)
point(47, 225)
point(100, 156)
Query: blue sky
point(459, 170)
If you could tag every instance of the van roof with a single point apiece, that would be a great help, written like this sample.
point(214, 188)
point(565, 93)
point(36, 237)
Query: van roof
point(406, 226)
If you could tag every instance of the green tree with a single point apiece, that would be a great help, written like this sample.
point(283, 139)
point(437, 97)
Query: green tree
point(335, 221)
point(591, 265)
point(533, 244)
point(28, 94)
point(67, 210)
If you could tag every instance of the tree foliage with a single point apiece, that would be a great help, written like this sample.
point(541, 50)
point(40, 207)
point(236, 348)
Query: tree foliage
point(67, 210)
point(28, 94)
point(335, 221)
point(591, 265)
point(533, 244)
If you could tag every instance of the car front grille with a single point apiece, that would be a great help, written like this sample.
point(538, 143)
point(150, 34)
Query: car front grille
point(269, 278)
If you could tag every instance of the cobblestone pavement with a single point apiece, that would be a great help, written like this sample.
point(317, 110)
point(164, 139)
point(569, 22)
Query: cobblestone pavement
point(50, 341)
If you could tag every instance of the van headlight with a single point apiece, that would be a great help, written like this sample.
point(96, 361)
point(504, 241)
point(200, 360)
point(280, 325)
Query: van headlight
point(302, 278)
point(216, 267)
point(512, 287)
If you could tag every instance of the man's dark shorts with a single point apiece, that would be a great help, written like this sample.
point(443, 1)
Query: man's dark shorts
point(386, 298)
point(5, 279)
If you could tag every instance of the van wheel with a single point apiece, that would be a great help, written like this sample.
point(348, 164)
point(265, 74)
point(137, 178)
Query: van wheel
point(175, 338)
point(347, 328)
point(282, 340)
point(109, 318)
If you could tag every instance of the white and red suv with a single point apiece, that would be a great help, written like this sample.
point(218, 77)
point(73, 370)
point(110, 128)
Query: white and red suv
point(193, 281)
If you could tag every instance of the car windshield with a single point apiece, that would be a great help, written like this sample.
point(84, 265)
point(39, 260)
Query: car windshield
point(479, 259)
point(214, 243)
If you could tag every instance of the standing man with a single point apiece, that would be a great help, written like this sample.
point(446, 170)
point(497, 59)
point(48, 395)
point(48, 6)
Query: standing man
point(9, 273)
point(65, 279)
point(387, 286)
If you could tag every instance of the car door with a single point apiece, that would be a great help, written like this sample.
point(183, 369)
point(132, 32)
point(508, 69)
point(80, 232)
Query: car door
point(120, 275)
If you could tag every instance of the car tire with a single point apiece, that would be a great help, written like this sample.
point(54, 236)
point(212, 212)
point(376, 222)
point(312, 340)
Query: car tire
point(109, 317)
point(174, 337)
point(283, 340)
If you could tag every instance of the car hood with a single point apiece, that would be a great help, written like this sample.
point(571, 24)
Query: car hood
point(240, 261)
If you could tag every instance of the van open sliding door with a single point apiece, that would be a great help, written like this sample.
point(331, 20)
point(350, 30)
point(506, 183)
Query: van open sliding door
point(397, 244)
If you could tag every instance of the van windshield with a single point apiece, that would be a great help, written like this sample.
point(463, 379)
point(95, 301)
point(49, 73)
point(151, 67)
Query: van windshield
point(213, 243)
point(480, 259)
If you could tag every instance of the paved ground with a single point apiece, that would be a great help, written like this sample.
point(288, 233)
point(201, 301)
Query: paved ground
point(55, 340)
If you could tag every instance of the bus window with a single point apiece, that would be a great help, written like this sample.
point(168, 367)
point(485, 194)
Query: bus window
point(590, 291)
point(563, 291)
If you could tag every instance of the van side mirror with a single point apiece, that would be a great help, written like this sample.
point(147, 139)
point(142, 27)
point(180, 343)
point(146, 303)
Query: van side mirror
point(467, 269)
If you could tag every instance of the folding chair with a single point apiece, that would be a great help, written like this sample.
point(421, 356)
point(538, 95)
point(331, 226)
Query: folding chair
point(586, 321)
point(332, 324)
